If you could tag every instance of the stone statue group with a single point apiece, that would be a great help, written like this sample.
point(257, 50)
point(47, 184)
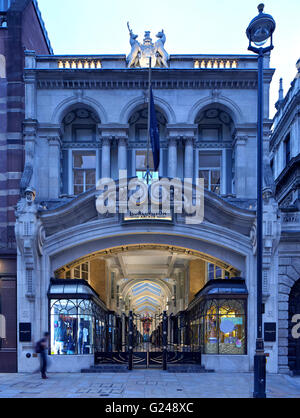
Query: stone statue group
point(156, 51)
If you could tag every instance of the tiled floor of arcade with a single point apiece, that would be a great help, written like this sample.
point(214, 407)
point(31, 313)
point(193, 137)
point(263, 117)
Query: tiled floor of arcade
point(143, 384)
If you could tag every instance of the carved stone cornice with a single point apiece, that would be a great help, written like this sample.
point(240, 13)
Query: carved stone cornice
point(54, 140)
point(188, 140)
point(122, 140)
point(172, 140)
point(240, 140)
point(217, 211)
point(208, 82)
point(107, 140)
point(30, 127)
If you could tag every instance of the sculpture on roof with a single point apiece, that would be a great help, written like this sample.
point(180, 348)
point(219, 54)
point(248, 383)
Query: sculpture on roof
point(134, 55)
point(140, 53)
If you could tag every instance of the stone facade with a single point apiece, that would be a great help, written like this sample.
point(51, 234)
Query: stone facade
point(206, 106)
point(284, 156)
point(94, 109)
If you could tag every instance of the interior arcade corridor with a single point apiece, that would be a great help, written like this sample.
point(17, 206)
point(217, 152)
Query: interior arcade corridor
point(92, 298)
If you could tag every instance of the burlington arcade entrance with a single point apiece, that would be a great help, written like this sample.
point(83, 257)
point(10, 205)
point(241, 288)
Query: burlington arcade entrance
point(147, 306)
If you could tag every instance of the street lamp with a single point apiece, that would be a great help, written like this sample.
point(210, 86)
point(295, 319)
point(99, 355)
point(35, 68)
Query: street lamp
point(259, 31)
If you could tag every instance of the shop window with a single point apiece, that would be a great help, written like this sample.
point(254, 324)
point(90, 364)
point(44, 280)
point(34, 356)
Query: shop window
point(72, 327)
point(84, 171)
point(210, 170)
point(221, 327)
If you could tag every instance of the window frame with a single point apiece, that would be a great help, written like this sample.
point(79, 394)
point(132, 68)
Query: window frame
point(287, 149)
point(70, 167)
point(221, 153)
point(134, 162)
point(76, 127)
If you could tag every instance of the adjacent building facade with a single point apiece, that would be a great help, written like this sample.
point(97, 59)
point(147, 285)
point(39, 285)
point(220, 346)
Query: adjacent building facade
point(21, 27)
point(284, 160)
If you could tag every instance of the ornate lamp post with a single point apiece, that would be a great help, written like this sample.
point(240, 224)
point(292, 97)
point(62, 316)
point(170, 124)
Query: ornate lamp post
point(259, 31)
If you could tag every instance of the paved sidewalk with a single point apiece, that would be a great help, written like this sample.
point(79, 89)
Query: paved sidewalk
point(143, 384)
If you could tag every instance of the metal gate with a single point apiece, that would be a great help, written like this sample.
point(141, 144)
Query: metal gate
point(147, 341)
point(144, 341)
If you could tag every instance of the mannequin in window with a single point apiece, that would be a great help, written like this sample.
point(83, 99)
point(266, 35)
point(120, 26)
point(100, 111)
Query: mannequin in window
point(60, 336)
point(70, 342)
point(83, 338)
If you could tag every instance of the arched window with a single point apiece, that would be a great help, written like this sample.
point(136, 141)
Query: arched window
point(138, 133)
point(214, 150)
point(80, 150)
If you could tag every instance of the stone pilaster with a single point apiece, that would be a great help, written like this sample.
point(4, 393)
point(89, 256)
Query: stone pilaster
point(122, 153)
point(241, 166)
point(188, 157)
point(30, 132)
point(105, 163)
point(30, 85)
point(54, 166)
point(172, 157)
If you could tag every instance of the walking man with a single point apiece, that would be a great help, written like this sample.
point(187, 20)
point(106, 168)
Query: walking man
point(42, 348)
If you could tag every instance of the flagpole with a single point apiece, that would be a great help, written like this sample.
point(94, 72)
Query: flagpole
point(148, 136)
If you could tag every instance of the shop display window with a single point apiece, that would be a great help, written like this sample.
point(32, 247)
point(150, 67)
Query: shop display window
point(72, 326)
point(218, 326)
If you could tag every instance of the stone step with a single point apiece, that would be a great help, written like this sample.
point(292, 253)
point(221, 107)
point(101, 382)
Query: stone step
point(295, 373)
point(107, 368)
point(187, 368)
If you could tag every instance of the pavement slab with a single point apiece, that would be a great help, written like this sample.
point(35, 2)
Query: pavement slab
point(144, 384)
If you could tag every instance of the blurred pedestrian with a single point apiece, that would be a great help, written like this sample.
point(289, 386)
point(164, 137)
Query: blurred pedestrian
point(41, 349)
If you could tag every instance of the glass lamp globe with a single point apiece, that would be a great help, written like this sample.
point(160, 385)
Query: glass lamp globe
point(261, 27)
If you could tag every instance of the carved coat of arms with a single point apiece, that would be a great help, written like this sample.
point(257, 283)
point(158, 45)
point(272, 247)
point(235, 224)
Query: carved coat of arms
point(140, 53)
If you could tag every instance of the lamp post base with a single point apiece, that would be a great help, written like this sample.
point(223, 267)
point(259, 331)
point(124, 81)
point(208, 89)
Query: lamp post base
point(259, 371)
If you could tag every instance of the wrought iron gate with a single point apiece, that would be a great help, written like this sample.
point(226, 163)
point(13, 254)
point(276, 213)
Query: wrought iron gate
point(142, 341)
point(147, 341)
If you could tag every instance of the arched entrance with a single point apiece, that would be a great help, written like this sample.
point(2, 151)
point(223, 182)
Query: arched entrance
point(294, 343)
point(158, 306)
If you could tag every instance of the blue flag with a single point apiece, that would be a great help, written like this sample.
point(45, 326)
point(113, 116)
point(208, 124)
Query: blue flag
point(154, 133)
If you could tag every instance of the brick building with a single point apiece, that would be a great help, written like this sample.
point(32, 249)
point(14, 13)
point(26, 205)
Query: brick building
point(21, 28)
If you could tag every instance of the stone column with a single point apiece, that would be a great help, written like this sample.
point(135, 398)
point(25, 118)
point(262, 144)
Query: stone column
point(172, 158)
point(240, 162)
point(30, 85)
point(54, 167)
point(105, 171)
point(122, 153)
point(189, 158)
point(30, 132)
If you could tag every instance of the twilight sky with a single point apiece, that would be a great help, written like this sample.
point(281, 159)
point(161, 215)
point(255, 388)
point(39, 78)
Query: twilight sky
point(191, 26)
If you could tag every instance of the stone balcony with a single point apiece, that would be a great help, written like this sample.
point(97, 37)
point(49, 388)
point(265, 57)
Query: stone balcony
point(118, 61)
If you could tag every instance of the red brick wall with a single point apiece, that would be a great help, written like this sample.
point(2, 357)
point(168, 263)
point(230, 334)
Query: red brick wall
point(23, 32)
point(32, 35)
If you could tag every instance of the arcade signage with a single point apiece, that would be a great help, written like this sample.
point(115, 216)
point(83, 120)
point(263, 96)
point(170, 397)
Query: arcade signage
point(25, 332)
point(137, 200)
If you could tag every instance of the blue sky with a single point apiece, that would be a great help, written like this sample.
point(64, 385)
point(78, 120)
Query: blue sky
point(191, 26)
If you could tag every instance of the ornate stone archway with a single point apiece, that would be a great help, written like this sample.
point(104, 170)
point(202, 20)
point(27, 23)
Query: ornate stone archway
point(289, 273)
